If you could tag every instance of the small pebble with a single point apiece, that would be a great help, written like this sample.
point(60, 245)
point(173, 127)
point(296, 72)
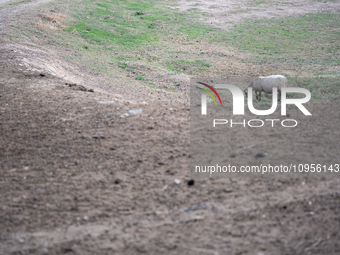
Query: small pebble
point(44, 250)
point(260, 155)
point(117, 181)
point(191, 182)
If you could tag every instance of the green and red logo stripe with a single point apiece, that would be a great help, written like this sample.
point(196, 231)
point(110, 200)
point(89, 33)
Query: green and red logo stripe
point(208, 92)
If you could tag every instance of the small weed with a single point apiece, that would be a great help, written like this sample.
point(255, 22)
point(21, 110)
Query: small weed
point(122, 65)
point(140, 77)
point(152, 25)
point(152, 85)
point(103, 5)
point(138, 13)
point(173, 69)
point(127, 67)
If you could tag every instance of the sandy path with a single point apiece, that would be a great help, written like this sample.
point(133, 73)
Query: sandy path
point(12, 12)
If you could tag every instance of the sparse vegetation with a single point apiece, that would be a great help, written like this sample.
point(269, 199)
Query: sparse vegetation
point(51, 21)
point(308, 39)
point(114, 39)
point(104, 32)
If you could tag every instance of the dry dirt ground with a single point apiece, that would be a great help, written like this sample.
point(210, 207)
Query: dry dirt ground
point(78, 179)
point(222, 12)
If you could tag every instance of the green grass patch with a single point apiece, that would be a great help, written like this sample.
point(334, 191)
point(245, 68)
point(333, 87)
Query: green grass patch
point(133, 23)
point(327, 73)
point(200, 62)
point(140, 77)
point(108, 35)
point(307, 39)
point(121, 36)
point(173, 70)
point(322, 88)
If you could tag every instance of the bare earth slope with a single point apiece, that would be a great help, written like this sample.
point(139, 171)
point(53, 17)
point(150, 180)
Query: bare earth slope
point(13, 12)
point(75, 178)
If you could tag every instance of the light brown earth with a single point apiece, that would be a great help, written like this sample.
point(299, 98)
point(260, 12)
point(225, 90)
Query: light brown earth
point(222, 13)
point(76, 180)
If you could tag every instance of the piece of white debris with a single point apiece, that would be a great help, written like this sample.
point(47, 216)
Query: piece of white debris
point(106, 102)
point(177, 181)
point(139, 110)
point(124, 115)
point(21, 240)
